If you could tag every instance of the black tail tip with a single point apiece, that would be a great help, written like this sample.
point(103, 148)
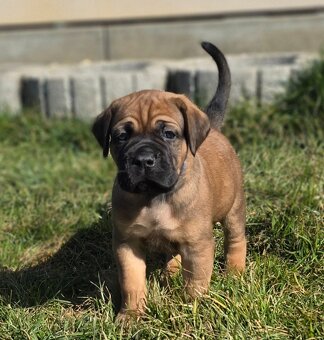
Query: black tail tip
point(209, 47)
point(205, 44)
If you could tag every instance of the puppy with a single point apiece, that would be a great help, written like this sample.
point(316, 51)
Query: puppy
point(177, 176)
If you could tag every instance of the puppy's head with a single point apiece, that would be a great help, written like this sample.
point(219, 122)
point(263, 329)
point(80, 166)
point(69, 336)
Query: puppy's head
point(148, 134)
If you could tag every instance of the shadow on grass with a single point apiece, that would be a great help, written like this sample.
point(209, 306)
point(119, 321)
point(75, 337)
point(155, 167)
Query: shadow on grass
point(85, 263)
point(75, 272)
point(78, 270)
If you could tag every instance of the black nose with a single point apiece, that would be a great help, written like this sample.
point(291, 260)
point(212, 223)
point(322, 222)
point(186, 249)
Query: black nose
point(145, 159)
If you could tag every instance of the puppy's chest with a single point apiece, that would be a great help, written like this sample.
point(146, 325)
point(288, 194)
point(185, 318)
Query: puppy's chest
point(155, 221)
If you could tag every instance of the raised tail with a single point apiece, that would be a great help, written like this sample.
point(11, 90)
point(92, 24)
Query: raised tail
point(217, 106)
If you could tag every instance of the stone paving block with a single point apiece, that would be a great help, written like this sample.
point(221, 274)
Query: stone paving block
point(244, 84)
point(58, 97)
point(116, 85)
point(273, 80)
point(10, 92)
point(33, 94)
point(206, 85)
point(151, 78)
point(86, 96)
point(86, 88)
point(182, 82)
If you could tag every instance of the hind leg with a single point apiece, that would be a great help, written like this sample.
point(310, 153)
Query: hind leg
point(234, 236)
point(171, 268)
point(173, 264)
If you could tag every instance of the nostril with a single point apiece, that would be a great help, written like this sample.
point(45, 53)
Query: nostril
point(137, 162)
point(150, 162)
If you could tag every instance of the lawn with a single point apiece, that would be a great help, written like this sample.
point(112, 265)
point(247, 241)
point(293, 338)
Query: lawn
point(57, 274)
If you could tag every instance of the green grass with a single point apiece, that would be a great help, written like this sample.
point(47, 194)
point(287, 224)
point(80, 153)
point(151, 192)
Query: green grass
point(57, 274)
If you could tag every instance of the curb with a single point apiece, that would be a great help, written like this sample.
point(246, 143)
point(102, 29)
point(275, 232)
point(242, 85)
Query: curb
point(83, 90)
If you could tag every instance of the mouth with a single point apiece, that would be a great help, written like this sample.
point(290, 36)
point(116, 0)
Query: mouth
point(146, 184)
point(152, 186)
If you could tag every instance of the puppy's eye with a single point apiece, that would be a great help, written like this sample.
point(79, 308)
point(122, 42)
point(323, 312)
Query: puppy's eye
point(122, 136)
point(168, 134)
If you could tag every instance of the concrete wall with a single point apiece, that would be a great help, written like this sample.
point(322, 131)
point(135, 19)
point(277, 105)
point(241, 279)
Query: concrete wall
point(23, 12)
point(303, 32)
point(164, 39)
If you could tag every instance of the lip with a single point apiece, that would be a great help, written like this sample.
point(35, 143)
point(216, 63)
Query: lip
point(152, 186)
point(145, 185)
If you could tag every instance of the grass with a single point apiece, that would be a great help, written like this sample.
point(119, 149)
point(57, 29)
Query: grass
point(57, 274)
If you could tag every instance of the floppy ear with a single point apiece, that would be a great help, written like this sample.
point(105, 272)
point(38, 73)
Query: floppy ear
point(196, 123)
point(101, 130)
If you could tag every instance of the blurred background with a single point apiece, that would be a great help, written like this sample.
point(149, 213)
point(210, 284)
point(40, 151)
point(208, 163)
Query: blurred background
point(70, 31)
point(72, 58)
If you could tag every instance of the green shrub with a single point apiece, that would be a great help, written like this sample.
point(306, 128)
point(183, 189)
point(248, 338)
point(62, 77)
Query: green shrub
point(302, 102)
point(304, 93)
point(294, 116)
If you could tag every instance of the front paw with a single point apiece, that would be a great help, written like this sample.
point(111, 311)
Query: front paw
point(123, 318)
point(196, 288)
point(127, 317)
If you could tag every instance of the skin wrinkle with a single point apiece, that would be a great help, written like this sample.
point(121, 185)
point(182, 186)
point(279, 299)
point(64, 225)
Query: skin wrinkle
point(150, 120)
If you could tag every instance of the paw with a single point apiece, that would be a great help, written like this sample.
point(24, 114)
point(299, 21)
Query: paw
point(197, 288)
point(123, 319)
point(235, 264)
point(127, 317)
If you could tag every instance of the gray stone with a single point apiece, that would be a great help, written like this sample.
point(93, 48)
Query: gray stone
point(86, 96)
point(206, 85)
point(122, 66)
point(150, 78)
point(10, 92)
point(182, 82)
point(273, 80)
point(244, 84)
point(58, 97)
point(33, 94)
point(49, 88)
point(304, 60)
point(116, 85)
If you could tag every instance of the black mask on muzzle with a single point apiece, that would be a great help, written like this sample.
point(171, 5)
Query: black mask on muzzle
point(146, 166)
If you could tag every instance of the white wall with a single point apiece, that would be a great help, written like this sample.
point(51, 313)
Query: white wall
point(13, 12)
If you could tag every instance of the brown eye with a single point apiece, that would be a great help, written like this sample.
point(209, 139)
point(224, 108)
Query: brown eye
point(123, 136)
point(120, 136)
point(168, 134)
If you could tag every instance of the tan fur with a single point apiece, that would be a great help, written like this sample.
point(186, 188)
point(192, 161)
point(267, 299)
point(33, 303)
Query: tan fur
point(180, 223)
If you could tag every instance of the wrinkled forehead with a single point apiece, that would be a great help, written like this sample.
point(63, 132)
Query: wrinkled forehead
point(146, 109)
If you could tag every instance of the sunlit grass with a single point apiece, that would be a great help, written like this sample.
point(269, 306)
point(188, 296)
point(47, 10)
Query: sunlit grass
point(58, 276)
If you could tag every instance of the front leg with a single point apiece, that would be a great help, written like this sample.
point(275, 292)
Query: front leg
point(131, 271)
point(197, 265)
point(234, 237)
